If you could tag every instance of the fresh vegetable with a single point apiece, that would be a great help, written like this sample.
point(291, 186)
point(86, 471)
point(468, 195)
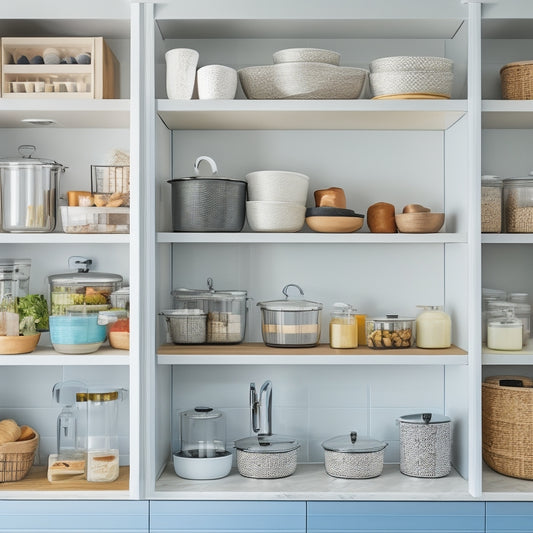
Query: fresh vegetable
point(122, 324)
point(34, 305)
point(27, 326)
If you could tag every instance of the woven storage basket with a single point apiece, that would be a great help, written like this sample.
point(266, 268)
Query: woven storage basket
point(16, 458)
point(517, 80)
point(508, 426)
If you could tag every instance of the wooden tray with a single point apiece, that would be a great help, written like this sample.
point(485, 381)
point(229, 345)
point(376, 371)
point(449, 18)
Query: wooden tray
point(412, 96)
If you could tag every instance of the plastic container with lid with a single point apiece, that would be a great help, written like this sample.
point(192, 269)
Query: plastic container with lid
point(225, 309)
point(391, 332)
point(290, 322)
point(14, 278)
point(491, 204)
point(505, 332)
point(518, 204)
point(352, 456)
point(343, 327)
point(120, 299)
point(82, 291)
point(520, 310)
point(433, 328)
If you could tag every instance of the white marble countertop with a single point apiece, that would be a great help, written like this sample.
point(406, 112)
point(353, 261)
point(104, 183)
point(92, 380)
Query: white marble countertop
point(310, 482)
point(497, 487)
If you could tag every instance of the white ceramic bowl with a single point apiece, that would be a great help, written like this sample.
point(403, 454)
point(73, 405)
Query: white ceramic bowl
point(401, 63)
point(318, 55)
point(411, 82)
point(203, 467)
point(307, 81)
point(275, 216)
point(277, 186)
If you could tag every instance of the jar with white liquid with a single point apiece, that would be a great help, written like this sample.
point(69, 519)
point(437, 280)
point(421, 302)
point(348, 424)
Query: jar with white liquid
point(433, 328)
point(505, 333)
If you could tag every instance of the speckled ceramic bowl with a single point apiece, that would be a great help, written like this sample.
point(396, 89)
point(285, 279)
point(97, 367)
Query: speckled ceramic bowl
point(317, 55)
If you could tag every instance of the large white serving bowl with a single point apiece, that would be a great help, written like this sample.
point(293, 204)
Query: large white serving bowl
point(277, 186)
point(275, 216)
point(203, 467)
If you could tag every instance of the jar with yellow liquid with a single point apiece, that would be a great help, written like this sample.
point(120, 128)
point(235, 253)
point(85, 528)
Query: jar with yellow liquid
point(343, 327)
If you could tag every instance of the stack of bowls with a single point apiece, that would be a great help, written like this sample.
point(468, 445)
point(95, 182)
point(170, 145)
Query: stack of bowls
point(411, 77)
point(276, 200)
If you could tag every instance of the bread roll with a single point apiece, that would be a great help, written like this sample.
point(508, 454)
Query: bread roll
point(26, 433)
point(9, 431)
point(380, 218)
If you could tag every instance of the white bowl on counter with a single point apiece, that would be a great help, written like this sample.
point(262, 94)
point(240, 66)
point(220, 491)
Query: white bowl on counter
point(277, 217)
point(203, 467)
point(277, 186)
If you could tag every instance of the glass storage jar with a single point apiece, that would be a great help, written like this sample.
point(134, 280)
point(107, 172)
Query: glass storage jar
point(433, 328)
point(343, 327)
point(518, 204)
point(491, 204)
point(14, 279)
point(390, 332)
point(504, 333)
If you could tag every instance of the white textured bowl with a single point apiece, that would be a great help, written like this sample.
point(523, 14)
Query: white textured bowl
point(203, 467)
point(277, 186)
point(275, 216)
point(304, 81)
point(401, 63)
point(318, 55)
point(411, 82)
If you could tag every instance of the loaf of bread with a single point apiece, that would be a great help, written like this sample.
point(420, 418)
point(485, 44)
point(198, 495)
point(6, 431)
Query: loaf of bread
point(26, 433)
point(9, 431)
point(380, 218)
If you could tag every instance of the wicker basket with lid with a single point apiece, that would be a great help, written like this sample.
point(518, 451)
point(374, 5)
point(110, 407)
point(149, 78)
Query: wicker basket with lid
point(517, 80)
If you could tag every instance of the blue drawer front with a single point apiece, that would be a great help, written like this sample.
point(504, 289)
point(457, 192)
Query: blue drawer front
point(509, 517)
point(395, 517)
point(74, 516)
point(227, 517)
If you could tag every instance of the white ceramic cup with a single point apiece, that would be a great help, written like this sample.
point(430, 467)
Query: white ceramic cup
point(217, 82)
point(181, 72)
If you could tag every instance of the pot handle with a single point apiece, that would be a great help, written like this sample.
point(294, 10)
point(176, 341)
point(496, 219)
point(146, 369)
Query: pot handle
point(286, 288)
point(212, 164)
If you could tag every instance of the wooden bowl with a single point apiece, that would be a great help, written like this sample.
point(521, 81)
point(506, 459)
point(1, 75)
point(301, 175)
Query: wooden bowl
point(119, 340)
point(11, 345)
point(419, 222)
point(335, 224)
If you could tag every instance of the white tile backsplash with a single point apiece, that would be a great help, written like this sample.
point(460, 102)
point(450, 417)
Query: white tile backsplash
point(315, 403)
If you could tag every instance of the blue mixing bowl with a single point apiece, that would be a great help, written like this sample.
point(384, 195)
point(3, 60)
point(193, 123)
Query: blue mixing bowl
point(76, 334)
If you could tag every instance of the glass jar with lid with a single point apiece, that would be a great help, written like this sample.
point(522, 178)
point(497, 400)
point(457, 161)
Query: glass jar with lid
point(518, 204)
point(491, 204)
point(504, 333)
point(433, 327)
point(390, 332)
point(343, 327)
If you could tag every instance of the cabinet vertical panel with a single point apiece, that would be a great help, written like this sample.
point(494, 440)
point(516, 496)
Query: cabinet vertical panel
point(395, 517)
point(227, 517)
point(509, 517)
point(74, 516)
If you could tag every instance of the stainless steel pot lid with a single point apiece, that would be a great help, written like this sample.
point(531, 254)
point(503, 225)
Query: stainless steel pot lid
point(26, 160)
point(290, 305)
point(209, 294)
point(84, 278)
point(267, 444)
point(425, 418)
point(202, 413)
point(353, 443)
point(214, 173)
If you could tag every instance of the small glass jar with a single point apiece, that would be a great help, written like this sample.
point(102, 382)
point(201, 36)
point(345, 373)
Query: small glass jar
point(504, 333)
point(518, 204)
point(343, 332)
point(433, 328)
point(389, 333)
point(491, 204)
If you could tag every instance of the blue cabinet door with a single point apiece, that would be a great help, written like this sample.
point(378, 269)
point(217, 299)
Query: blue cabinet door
point(227, 517)
point(74, 516)
point(395, 517)
point(509, 517)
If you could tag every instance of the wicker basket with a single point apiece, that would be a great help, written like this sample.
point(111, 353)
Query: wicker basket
point(508, 425)
point(517, 80)
point(16, 458)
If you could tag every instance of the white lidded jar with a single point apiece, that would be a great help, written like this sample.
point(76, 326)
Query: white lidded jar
point(505, 333)
point(433, 327)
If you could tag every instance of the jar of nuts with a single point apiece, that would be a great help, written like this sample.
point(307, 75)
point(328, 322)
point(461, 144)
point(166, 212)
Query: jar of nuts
point(391, 332)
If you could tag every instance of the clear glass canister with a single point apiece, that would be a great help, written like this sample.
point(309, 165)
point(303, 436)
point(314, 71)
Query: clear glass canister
point(491, 204)
point(14, 279)
point(203, 433)
point(433, 327)
point(518, 205)
point(504, 333)
point(390, 333)
point(343, 327)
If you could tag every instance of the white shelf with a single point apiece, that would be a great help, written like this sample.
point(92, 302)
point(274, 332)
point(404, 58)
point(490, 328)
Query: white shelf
point(497, 487)
point(310, 114)
point(507, 238)
point(499, 357)
point(47, 356)
point(507, 114)
point(64, 238)
point(311, 238)
point(67, 113)
point(310, 482)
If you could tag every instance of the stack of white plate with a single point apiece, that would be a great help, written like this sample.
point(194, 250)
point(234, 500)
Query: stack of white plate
point(411, 77)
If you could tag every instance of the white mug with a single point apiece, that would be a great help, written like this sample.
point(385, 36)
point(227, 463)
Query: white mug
point(217, 82)
point(181, 73)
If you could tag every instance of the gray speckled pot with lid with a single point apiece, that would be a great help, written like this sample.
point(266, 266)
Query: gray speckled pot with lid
point(267, 444)
point(351, 456)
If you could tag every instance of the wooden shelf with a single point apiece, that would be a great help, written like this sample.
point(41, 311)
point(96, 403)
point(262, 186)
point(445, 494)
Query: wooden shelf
point(259, 353)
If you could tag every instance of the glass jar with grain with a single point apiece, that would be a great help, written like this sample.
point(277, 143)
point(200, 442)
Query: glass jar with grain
point(518, 204)
point(343, 327)
point(491, 204)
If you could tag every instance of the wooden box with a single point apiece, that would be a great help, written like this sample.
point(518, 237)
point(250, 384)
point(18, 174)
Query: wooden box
point(58, 67)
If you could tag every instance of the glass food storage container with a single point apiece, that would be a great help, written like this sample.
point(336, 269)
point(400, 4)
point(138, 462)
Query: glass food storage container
point(518, 204)
point(226, 312)
point(343, 327)
point(290, 323)
point(390, 333)
point(14, 279)
point(505, 333)
point(491, 204)
point(433, 327)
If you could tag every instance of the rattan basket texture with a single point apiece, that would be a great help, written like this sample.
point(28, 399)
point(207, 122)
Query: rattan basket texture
point(517, 80)
point(507, 431)
point(16, 458)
